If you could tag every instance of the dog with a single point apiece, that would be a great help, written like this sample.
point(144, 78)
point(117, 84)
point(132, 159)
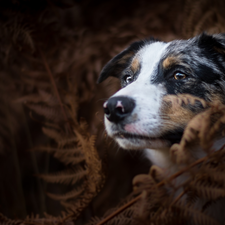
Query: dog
point(137, 117)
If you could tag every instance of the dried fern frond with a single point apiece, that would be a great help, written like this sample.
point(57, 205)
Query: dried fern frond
point(69, 195)
point(61, 152)
point(75, 146)
point(70, 176)
point(202, 130)
point(72, 160)
point(49, 112)
point(203, 15)
point(206, 191)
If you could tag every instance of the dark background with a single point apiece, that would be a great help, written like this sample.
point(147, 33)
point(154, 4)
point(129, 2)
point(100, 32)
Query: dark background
point(77, 38)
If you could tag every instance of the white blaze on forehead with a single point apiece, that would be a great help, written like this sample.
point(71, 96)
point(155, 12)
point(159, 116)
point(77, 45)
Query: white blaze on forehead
point(150, 57)
point(145, 118)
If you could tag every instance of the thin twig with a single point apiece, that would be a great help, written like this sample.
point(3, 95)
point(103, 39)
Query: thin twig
point(34, 163)
point(18, 187)
point(178, 197)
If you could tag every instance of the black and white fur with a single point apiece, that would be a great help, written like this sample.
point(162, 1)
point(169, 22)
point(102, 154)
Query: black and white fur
point(137, 117)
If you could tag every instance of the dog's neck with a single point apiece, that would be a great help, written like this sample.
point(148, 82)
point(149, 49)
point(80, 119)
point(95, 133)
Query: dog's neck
point(162, 158)
point(159, 157)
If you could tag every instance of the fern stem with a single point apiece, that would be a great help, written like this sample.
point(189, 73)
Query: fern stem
point(178, 197)
point(18, 179)
point(122, 208)
point(54, 86)
point(34, 164)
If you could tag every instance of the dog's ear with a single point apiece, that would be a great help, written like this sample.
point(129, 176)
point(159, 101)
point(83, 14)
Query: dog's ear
point(116, 65)
point(220, 46)
point(214, 42)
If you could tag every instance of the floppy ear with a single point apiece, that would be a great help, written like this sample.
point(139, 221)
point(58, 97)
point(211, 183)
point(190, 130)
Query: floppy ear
point(220, 47)
point(116, 65)
point(215, 42)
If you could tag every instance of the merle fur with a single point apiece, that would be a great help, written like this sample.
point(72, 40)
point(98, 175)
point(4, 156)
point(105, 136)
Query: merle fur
point(204, 55)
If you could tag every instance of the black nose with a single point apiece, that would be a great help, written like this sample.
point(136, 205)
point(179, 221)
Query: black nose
point(117, 108)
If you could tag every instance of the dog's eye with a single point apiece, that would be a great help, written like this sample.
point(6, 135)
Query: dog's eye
point(179, 76)
point(128, 79)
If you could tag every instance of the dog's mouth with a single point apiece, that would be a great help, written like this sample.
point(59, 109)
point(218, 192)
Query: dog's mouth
point(172, 136)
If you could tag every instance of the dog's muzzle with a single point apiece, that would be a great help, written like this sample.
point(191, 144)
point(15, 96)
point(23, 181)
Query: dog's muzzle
point(118, 108)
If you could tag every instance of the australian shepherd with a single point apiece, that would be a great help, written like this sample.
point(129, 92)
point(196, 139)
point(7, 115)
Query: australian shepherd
point(137, 116)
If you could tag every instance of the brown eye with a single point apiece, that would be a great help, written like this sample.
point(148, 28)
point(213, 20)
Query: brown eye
point(179, 76)
point(128, 79)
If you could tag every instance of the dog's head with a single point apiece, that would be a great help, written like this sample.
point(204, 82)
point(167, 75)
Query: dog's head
point(137, 116)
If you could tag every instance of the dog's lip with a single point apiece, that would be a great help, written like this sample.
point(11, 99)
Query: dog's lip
point(124, 135)
point(173, 137)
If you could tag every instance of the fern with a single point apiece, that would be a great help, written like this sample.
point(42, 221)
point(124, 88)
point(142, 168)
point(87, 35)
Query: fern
point(203, 15)
point(65, 177)
point(75, 147)
point(69, 195)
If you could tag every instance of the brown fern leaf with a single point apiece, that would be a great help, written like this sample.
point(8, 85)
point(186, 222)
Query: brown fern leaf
point(217, 124)
point(94, 176)
point(70, 176)
point(207, 191)
point(51, 113)
point(74, 146)
point(43, 84)
point(72, 156)
point(67, 140)
point(61, 138)
point(69, 195)
point(6, 221)
point(216, 176)
point(60, 152)
point(93, 162)
point(212, 171)
point(203, 15)
point(197, 216)
point(71, 102)
point(30, 220)
point(94, 220)
point(68, 152)
point(203, 130)
point(41, 97)
point(75, 207)
point(72, 160)
point(52, 133)
point(121, 220)
point(180, 213)
point(34, 98)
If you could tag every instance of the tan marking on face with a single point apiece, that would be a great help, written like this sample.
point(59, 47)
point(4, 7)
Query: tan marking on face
point(171, 60)
point(135, 65)
point(217, 98)
point(175, 117)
